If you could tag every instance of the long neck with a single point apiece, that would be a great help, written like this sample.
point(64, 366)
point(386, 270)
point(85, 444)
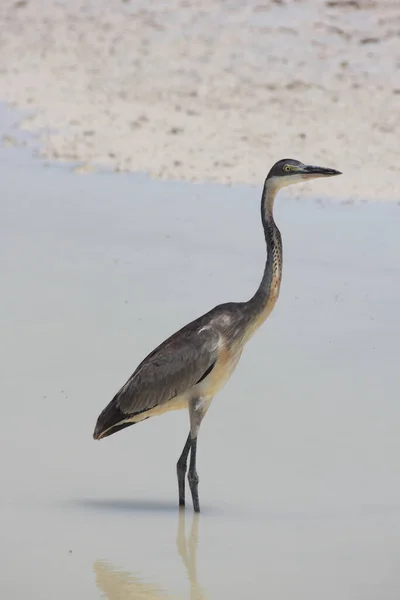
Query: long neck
point(263, 301)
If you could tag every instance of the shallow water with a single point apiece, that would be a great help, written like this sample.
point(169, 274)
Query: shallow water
point(298, 456)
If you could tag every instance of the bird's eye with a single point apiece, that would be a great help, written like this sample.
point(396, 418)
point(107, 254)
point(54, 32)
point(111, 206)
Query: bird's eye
point(287, 168)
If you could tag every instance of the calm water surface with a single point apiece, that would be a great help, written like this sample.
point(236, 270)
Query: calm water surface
point(298, 456)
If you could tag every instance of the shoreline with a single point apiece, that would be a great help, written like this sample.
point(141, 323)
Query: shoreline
point(247, 87)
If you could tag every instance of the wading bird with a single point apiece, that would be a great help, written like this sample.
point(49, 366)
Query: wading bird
point(191, 366)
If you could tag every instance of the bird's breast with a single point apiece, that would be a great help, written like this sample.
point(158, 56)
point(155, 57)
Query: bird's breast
point(225, 365)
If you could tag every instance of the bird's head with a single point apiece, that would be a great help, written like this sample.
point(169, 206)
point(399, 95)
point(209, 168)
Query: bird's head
point(288, 171)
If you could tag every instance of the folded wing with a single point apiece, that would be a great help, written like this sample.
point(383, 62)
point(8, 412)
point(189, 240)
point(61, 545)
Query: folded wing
point(170, 370)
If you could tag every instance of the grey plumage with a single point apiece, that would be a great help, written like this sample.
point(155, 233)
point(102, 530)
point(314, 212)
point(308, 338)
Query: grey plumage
point(192, 365)
point(172, 368)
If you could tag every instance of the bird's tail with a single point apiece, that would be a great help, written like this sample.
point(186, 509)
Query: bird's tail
point(111, 420)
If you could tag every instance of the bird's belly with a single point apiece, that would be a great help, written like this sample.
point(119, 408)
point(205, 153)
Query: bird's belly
point(177, 403)
point(215, 381)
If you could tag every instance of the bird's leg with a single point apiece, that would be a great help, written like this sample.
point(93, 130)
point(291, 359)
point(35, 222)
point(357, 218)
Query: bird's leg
point(193, 477)
point(181, 466)
point(197, 410)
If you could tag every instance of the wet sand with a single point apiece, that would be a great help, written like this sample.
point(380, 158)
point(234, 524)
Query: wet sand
point(209, 91)
point(298, 456)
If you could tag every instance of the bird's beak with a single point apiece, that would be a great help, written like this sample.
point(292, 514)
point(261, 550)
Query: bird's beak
point(311, 172)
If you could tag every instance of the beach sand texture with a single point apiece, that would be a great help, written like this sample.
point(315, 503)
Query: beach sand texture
point(210, 90)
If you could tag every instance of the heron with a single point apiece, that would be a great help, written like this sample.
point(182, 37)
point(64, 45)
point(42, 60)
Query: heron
point(192, 365)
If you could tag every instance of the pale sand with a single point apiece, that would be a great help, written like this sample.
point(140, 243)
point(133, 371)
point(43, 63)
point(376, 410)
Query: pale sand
point(211, 90)
point(298, 456)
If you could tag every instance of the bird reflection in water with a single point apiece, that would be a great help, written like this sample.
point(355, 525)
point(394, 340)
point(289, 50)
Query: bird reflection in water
point(120, 585)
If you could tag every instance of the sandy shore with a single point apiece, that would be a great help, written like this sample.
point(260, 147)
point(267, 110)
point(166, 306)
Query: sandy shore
point(211, 91)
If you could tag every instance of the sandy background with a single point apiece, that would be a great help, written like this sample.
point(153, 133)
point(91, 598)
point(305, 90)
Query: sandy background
point(210, 90)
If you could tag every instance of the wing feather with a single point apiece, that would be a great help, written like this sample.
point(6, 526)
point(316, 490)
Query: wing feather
point(179, 363)
point(170, 370)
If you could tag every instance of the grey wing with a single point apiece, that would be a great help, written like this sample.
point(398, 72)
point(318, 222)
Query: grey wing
point(170, 370)
point(174, 367)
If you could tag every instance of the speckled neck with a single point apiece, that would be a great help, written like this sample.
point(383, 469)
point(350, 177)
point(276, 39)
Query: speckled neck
point(263, 301)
